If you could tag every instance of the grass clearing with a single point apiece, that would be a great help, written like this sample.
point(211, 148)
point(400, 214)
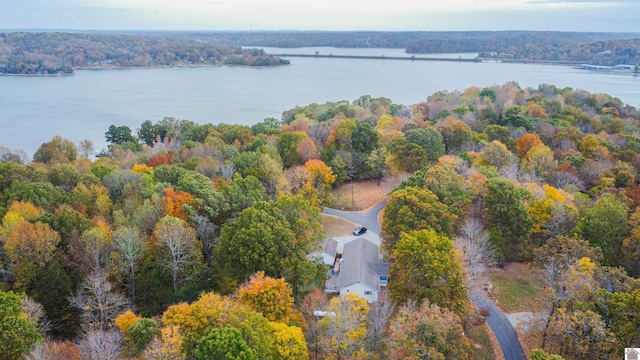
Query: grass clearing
point(483, 347)
point(517, 288)
point(334, 226)
point(363, 194)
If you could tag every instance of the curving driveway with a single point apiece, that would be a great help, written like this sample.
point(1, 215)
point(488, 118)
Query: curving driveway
point(498, 322)
point(501, 327)
point(368, 218)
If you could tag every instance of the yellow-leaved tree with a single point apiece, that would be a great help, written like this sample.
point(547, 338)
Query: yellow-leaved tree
point(288, 342)
point(553, 212)
point(196, 318)
point(18, 212)
point(320, 178)
point(343, 329)
point(190, 323)
point(124, 321)
point(268, 296)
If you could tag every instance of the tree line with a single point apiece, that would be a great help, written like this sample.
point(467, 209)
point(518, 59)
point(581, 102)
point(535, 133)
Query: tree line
point(606, 49)
point(530, 47)
point(181, 239)
point(61, 53)
point(395, 39)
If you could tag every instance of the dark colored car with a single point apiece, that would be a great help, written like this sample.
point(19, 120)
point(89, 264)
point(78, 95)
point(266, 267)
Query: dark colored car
point(360, 230)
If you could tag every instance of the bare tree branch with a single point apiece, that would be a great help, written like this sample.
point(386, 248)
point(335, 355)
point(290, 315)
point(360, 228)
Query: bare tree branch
point(473, 244)
point(129, 243)
point(35, 314)
point(101, 345)
point(98, 303)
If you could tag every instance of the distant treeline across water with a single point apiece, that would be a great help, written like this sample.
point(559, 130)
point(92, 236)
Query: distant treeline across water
point(85, 105)
point(51, 53)
point(61, 53)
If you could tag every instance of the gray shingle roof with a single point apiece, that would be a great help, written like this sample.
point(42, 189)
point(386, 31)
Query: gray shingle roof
point(361, 264)
point(330, 247)
point(380, 268)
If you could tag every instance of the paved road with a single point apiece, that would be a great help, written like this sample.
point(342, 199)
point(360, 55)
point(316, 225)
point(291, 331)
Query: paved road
point(500, 325)
point(368, 219)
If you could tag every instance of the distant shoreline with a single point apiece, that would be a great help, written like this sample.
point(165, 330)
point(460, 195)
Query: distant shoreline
point(380, 57)
point(422, 58)
point(577, 65)
point(92, 68)
point(37, 75)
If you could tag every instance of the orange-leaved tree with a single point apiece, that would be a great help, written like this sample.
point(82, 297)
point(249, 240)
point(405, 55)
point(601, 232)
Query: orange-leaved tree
point(307, 150)
point(30, 248)
point(525, 142)
point(268, 296)
point(175, 200)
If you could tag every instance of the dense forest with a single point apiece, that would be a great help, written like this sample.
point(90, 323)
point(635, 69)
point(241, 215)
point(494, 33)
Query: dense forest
point(61, 53)
point(189, 241)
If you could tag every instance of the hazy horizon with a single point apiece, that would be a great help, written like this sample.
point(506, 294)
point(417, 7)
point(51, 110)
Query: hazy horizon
point(329, 15)
point(132, 31)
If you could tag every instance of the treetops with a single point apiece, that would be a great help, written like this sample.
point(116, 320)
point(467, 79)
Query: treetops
point(573, 141)
point(529, 164)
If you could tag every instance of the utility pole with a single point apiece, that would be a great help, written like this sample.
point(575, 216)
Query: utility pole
point(352, 201)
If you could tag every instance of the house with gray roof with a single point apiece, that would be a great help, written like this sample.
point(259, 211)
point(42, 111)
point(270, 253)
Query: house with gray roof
point(357, 268)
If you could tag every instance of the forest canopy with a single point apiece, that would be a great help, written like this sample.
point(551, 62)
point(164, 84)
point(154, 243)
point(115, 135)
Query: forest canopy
point(198, 236)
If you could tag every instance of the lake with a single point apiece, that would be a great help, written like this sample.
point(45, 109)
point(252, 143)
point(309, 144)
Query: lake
point(34, 109)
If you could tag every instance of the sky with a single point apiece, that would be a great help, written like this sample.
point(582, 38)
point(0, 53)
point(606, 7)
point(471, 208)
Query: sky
point(332, 15)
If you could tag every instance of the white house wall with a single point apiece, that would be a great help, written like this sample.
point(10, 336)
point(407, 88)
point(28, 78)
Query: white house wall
point(359, 290)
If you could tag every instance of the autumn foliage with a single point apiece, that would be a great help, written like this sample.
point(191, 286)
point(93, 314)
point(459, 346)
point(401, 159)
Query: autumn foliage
point(270, 297)
point(175, 200)
point(526, 142)
point(212, 226)
point(162, 159)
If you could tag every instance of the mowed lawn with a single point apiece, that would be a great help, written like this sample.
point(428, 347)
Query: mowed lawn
point(517, 288)
point(334, 226)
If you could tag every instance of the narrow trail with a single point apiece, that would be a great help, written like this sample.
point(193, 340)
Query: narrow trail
point(498, 322)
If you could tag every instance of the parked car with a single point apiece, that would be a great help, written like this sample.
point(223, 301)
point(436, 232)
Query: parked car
point(359, 230)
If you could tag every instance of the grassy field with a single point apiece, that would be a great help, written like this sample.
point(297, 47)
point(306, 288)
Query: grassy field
point(483, 349)
point(335, 226)
point(517, 288)
point(363, 195)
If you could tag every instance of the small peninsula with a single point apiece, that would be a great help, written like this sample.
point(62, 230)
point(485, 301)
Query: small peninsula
point(58, 53)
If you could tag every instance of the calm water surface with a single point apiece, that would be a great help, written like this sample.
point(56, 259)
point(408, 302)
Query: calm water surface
point(34, 109)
